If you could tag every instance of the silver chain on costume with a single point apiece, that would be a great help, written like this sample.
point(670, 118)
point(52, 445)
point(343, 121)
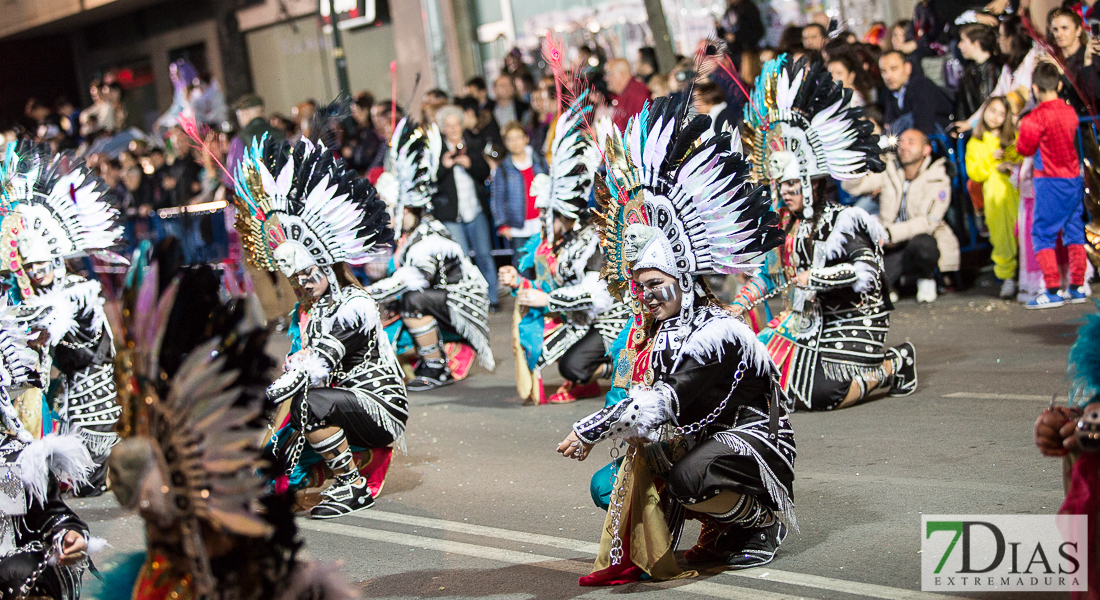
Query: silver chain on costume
point(714, 414)
point(28, 585)
point(616, 506)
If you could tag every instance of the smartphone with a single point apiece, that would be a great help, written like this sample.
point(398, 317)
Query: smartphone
point(834, 25)
point(1094, 29)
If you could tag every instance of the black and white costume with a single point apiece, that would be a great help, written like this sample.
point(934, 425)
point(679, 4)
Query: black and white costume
point(432, 276)
point(63, 212)
point(314, 215)
point(678, 201)
point(832, 335)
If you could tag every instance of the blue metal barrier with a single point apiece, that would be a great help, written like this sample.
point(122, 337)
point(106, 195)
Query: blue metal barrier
point(966, 228)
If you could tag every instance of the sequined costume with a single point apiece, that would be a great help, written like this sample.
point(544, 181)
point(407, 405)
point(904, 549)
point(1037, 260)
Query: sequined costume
point(60, 210)
point(829, 342)
point(309, 216)
point(702, 388)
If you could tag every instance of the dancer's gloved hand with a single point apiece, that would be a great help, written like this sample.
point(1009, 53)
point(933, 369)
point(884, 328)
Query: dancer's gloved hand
point(573, 447)
point(1054, 430)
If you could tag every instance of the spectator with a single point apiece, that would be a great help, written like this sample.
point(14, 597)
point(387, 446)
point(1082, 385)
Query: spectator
point(482, 133)
point(514, 66)
point(741, 28)
point(1076, 52)
point(462, 203)
point(711, 100)
point(587, 61)
point(116, 112)
point(433, 100)
point(543, 110)
point(525, 84)
point(659, 87)
point(384, 119)
point(977, 44)
point(990, 160)
point(851, 75)
point(629, 93)
point(249, 110)
point(181, 180)
point(513, 202)
point(647, 64)
point(814, 36)
point(1051, 130)
point(914, 195)
point(477, 88)
point(68, 116)
point(366, 149)
point(1020, 56)
point(507, 107)
point(791, 39)
point(912, 101)
point(903, 39)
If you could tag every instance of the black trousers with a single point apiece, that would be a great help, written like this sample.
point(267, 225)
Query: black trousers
point(338, 407)
point(917, 257)
point(17, 568)
point(581, 361)
point(712, 466)
point(428, 302)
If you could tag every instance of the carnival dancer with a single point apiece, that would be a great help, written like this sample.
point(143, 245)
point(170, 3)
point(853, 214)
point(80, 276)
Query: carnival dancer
point(60, 211)
point(438, 290)
point(565, 313)
point(190, 462)
point(829, 342)
point(704, 412)
point(308, 215)
point(42, 541)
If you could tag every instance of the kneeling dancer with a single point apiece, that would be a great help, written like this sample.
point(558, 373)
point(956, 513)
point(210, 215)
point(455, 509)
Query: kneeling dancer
point(308, 215)
point(704, 412)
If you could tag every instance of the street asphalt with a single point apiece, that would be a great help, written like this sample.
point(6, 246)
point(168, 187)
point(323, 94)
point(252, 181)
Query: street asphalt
point(482, 507)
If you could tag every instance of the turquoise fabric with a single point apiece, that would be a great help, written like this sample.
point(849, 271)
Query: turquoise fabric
point(117, 578)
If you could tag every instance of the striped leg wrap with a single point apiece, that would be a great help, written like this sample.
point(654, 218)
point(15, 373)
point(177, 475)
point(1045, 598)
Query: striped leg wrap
point(329, 445)
point(424, 349)
point(746, 513)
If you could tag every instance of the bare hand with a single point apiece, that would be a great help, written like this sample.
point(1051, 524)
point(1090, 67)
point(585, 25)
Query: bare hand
point(73, 546)
point(962, 126)
point(573, 447)
point(506, 233)
point(448, 160)
point(463, 160)
point(533, 298)
point(1092, 49)
point(998, 154)
point(803, 279)
point(509, 276)
point(1054, 431)
point(737, 309)
point(1004, 168)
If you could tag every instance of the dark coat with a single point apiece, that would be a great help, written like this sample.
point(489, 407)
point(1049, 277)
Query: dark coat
point(445, 203)
point(929, 105)
point(508, 194)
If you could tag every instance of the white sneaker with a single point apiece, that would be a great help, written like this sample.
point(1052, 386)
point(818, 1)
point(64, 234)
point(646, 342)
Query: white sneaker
point(926, 290)
point(1008, 289)
point(894, 297)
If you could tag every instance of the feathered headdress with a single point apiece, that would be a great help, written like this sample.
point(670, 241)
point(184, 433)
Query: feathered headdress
point(18, 368)
point(61, 205)
point(300, 206)
point(679, 200)
point(414, 161)
point(189, 459)
point(574, 157)
point(801, 125)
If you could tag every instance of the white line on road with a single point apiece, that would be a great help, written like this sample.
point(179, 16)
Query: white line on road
point(701, 588)
point(504, 534)
point(837, 585)
point(510, 556)
point(990, 396)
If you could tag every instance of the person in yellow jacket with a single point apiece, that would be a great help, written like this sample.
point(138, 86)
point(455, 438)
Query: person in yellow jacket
point(990, 160)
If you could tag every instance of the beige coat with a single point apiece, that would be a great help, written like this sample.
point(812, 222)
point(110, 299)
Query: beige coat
point(927, 202)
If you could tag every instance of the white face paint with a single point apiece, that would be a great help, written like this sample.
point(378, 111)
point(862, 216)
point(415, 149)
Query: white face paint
point(312, 282)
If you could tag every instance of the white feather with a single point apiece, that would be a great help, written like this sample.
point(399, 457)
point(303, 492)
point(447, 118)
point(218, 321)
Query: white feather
point(358, 310)
point(847, 224)
point(62, 455)
point(313, 365)
point(706, 343)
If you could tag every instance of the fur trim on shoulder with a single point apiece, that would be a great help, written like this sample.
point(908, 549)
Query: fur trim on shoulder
point(65, 304)
point(848, 222)
point(312, 364)
point(706, 343)
point(429, 246)
point(358, 309)
point(866, 276)
point(63, 455)
point(411, 277)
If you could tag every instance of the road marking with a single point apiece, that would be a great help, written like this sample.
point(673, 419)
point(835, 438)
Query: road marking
point(504, 534)
point(922, 483)
point(990, 396)
point(837, 585)
point(700, 588)
point(572, 566)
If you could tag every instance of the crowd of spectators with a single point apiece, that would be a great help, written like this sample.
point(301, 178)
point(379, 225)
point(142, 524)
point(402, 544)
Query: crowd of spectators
point(945, 83)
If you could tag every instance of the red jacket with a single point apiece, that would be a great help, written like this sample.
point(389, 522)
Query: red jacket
point(630, 102)
point(1049, 132)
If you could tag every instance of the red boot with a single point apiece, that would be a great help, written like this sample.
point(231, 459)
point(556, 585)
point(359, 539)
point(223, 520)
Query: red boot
point(706, 548)
point(571, 392)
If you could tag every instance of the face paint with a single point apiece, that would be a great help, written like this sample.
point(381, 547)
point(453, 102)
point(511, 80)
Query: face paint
point(664, 293)
point(308, 276)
